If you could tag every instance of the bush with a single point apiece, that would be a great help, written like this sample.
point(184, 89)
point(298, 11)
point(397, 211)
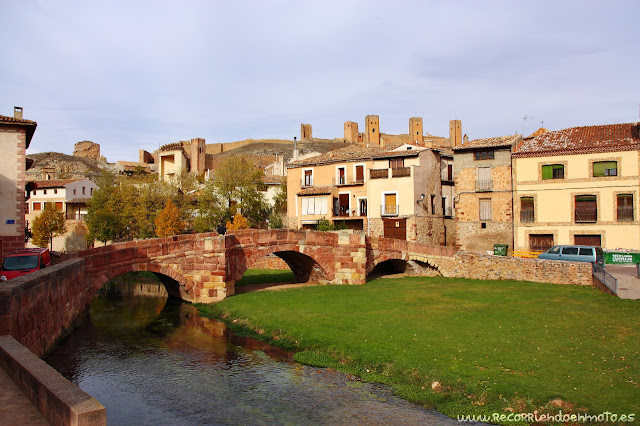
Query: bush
point(77, 239)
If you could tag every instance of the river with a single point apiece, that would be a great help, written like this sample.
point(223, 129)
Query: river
point(152, 360)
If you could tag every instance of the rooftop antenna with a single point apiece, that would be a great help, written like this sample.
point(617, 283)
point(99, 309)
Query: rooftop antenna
point(524, 119)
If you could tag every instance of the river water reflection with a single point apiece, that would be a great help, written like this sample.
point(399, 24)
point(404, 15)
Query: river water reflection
point(150, 360)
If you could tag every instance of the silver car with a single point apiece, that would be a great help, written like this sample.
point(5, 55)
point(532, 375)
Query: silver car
point(591, 254)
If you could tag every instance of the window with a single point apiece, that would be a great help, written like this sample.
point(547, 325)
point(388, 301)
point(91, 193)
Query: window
point(341, 176)
point(484, 155)
point(74, 191)
point(83, 188)
point(588, 240)
point(625, 207)
point(55, 191)
point(485, 209)
point(44, 192)
point(308, 178)
point(59, 205)
point(433, 204)
point(553, 171)
point(526, 209)
point(314, 205)
point(485, 181)
point(359, 174)
point(363, 207)
point(396, 163)
point(555, 250)
point(586, 251)
point(37, 206)
point(26, 208)
point(586, 209)
point(570, 250)
point(91, 191)
point(390, 207)
point(605, 168)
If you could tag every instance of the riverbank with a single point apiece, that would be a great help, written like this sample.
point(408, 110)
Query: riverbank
point(463, 347)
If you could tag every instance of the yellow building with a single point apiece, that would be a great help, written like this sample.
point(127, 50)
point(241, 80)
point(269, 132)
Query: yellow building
point(393, 193)
point(578, 186)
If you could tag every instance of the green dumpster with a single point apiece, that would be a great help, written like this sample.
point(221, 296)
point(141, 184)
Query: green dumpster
point(500, 249)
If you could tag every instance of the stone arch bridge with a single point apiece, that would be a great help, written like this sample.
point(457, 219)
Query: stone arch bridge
point(37, 308)
point(204, 267)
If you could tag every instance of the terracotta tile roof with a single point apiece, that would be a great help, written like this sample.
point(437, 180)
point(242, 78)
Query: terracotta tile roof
point(273, 179)
point(354, 153)
point(540, 131)
point(11, 120)
point(582, 140)
point(44, 184)
point(77, 201)
point(496, 142)
point(30, 125)
point(317, 190)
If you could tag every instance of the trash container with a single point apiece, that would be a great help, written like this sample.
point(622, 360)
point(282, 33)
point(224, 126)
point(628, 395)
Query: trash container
point(500, 249)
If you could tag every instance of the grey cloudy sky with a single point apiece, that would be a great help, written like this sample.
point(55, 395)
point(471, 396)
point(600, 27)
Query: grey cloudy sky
point(135, 74)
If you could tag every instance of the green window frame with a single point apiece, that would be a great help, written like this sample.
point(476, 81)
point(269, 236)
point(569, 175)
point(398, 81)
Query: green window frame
point(553, 171)
point(605, 168)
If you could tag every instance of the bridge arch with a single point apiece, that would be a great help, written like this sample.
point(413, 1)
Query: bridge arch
point(177, 285)
point(397, 262)
point(302, 263)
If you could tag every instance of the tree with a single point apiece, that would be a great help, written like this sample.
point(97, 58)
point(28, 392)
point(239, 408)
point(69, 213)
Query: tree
point(280, 199)
point(238, 183)
point(239, 222)
point(210, 210)
point(48, 224)
point(104, 209)
point(76, 240)
point(168, 221)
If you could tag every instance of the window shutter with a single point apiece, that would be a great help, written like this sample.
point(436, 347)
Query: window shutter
point(598, 168)
point(547, 172)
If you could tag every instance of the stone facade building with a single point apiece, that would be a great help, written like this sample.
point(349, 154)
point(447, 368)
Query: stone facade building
point(482, 173)
point(15, 137)
point(578, 186)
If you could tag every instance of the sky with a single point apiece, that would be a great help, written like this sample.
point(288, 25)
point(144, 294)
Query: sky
point(137, 74)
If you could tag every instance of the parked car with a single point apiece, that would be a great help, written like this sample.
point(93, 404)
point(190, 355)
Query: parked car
point(24, 261)
point(591, 254)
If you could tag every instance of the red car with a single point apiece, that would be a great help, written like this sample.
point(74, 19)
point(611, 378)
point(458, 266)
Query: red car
point(24, 261)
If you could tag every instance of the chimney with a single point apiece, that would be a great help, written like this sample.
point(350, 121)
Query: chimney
point(455, 133)
point(295, 149)
point(465, 139)
point(17, 112)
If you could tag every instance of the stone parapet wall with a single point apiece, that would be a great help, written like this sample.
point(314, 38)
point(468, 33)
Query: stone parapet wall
point(59, 401)
point(37, 308)
point(489, 267)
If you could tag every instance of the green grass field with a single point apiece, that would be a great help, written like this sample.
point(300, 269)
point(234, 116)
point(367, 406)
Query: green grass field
point(260, 276)
point(491, 346)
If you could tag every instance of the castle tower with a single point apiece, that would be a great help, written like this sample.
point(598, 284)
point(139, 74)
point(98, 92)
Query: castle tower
point(351, 132)
point(305, 132)
point(372, 125)
point(455, 133)
point(198, 155)
point(415, 130)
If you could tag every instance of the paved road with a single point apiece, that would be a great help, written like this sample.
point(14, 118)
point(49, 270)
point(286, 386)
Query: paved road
point(628, 282)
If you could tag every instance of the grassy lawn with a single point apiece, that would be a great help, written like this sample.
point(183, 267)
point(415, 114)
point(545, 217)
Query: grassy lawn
point(260, 276)
point(491, 346)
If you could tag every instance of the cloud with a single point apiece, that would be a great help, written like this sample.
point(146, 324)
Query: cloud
point(132, 75)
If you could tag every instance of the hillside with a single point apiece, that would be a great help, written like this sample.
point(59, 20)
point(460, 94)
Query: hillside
point(55, 165)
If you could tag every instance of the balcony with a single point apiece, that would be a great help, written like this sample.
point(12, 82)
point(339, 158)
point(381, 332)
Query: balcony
point(75, 216)
point(484, 185)
point(446, 176)
point(401, 172)
point(448, 211)
point(389, 210)
point(379, 173)
point(306, 183)
point(343, 181)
